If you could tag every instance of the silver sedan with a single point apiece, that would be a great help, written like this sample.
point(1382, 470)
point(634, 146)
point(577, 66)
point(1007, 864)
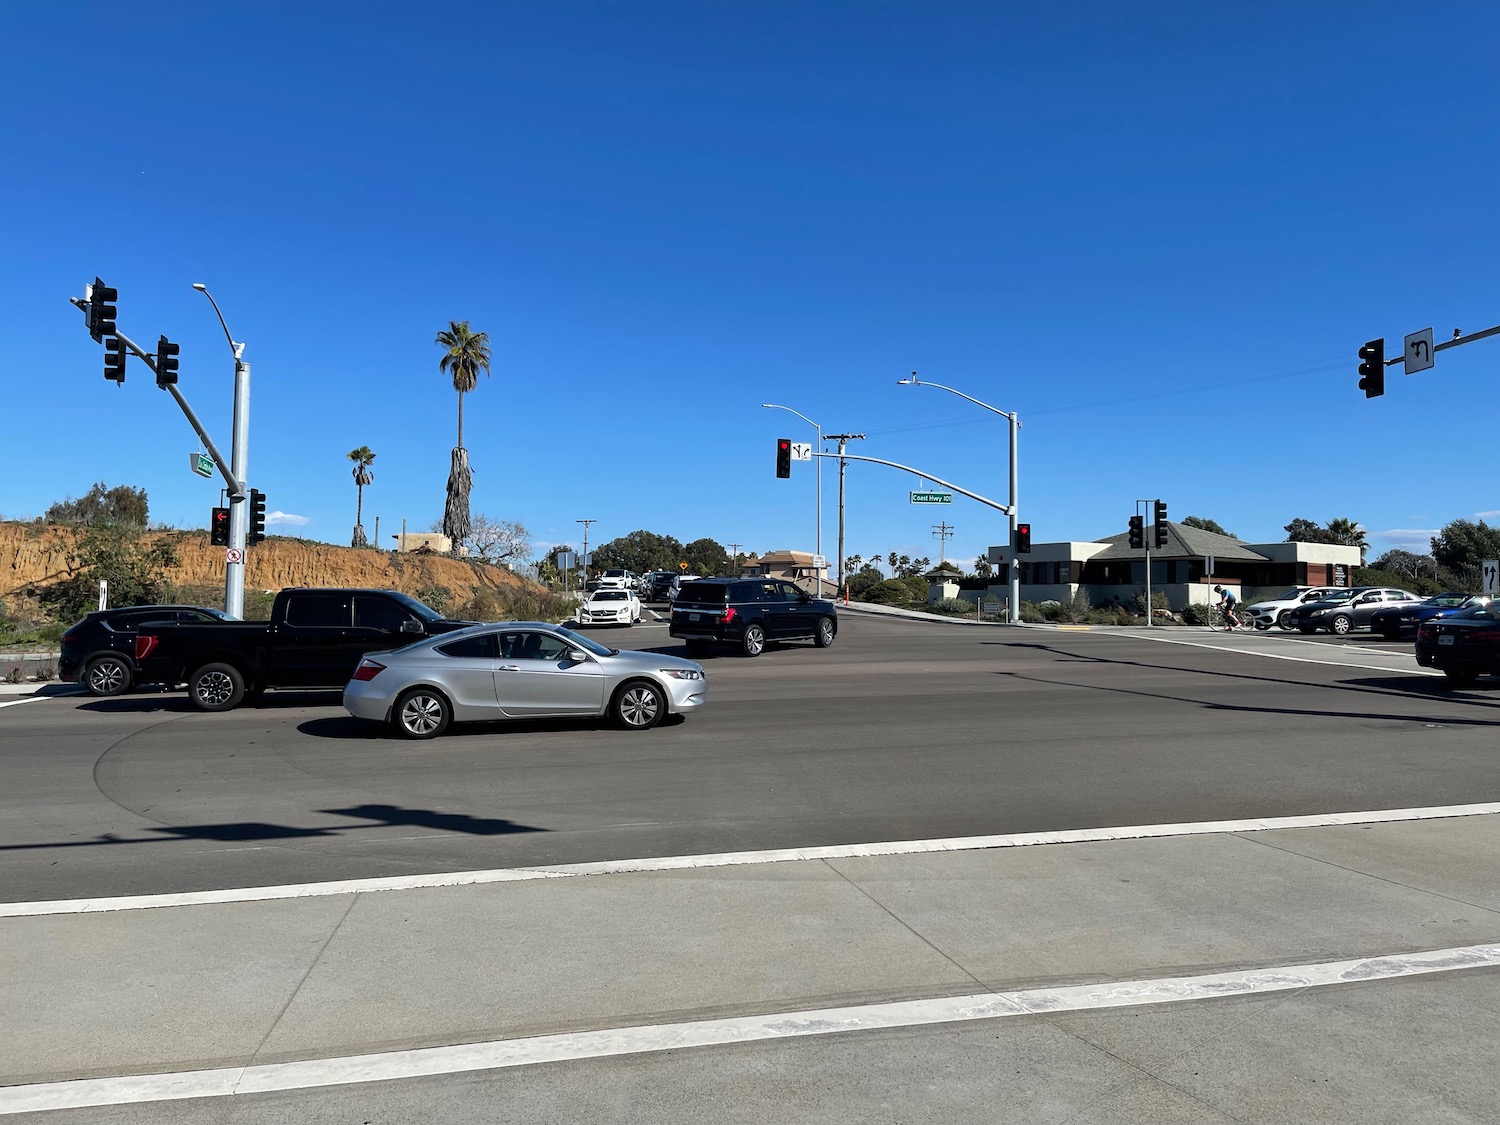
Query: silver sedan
point(519, 670)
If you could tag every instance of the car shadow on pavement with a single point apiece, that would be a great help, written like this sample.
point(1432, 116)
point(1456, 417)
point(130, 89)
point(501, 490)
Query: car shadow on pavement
point(346, 727)
point(372, 816)
point(144, 702)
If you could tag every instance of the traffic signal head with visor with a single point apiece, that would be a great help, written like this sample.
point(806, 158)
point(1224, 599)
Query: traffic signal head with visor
point(783, 457)
point(1372, 368)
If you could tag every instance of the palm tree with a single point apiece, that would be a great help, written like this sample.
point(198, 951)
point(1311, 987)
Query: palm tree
point(466, 354)
point(1350, 534)
point(363, 458)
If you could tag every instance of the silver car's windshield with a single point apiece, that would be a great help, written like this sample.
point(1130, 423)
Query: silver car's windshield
point(584, 643)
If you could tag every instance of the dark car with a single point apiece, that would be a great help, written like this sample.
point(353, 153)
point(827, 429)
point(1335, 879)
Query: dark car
point(661, 582)
point(99, 652)
point(1349, 609)
point(1464, 645)
point(749, 613)
point(1400, 621)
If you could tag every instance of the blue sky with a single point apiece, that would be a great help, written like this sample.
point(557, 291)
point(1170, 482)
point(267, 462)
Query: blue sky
point(1121, 221)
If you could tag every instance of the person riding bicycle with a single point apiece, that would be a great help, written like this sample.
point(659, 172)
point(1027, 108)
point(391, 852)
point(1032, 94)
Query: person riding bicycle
point(1228, 603)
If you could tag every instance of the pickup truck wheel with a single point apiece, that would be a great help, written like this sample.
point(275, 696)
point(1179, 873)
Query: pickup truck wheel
point(216, 687)
point(108, 675)
point(421, 713)
point(825, 634)
point(639, 705)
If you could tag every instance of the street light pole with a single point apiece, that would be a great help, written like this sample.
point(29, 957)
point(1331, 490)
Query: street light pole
point(239, 459)
point(585, 558)
point(1013, 610)
point(818, 536)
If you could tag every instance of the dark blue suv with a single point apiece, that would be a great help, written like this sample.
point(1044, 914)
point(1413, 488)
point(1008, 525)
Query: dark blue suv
point(749, 613)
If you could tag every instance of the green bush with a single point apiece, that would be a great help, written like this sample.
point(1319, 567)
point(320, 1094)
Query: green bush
point(860, 584)
point(1031, 614)
point(957, 607)
point(1197, 615)
point(1365, 576)
point(1080, 609)
point(438, 597)
point(893, 591)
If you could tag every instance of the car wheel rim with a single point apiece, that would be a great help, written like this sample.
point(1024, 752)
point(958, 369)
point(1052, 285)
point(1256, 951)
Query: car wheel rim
point(1341, 626)
point(421, 714)
point(826, 631)
point(106, 677)
point(215, 688)
point(754, 641)
point(639, 706)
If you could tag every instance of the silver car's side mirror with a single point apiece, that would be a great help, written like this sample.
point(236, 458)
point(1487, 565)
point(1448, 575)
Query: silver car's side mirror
point(577, 656)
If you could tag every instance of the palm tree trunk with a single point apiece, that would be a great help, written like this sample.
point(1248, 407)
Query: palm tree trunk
point(359, 505)
point(460, 419)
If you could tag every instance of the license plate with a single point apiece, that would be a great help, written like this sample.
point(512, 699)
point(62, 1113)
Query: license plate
point(1446, 639)
point(692, 617)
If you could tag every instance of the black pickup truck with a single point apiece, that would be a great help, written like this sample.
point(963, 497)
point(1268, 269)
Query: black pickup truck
point(315, 639)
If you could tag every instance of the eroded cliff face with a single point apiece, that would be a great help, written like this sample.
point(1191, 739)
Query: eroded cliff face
point(32, 556)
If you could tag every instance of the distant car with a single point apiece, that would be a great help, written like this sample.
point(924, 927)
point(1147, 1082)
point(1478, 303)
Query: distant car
point(616, 577)
point(1348, 609)
point(661, 582)
point(678, 581)
point(99, 652)
point(519, 670)
point(1278, 610)
point(1395, 622)
point(1464, 645)
point(749, 613)
point(609, 606)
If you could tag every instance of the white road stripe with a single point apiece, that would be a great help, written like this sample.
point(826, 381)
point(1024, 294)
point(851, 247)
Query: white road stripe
point(731, 859)
point(1275, 655)
point(497, 1054)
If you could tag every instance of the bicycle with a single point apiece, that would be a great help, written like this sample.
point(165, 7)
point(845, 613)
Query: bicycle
point(1218, 620)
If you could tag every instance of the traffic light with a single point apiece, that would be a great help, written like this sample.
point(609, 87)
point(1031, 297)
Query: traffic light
point(102, 311)
point(166, 361)
point(783, 457)
point(1137, 532)
point(257, 530)
point(114, 359)
point(1161, 525)
point(1372, 368)
point(218, 527)
point(1023, 539)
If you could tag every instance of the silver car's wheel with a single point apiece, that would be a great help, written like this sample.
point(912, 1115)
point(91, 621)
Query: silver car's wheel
point(754, 641)
point(421, 713)
point(1340, 625)
point(639, 705)
point(216, 687)
point(108, 675)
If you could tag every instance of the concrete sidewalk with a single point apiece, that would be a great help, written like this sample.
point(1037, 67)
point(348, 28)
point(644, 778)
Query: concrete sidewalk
point(239, 984)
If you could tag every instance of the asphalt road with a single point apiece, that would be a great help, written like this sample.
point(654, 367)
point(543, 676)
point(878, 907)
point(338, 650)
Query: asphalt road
point(902, 730)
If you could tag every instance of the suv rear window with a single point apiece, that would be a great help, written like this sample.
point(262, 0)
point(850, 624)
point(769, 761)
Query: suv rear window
point(702, 592)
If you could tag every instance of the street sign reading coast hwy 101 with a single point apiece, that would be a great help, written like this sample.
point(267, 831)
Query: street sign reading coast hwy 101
point(931, 497)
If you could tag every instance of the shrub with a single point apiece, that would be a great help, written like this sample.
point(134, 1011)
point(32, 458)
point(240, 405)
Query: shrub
point(438, 597)
point(893, 591)
point(1158, 602)
point(1031, 614)
point(1080, 608)
point(521, 604)
point(861, 583)
point(1197, 615)
point(957, 607)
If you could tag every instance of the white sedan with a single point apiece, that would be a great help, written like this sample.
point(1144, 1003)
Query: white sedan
point(610, 607)
point(1277, 611)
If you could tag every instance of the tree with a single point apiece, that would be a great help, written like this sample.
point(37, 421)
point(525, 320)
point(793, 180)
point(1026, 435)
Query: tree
point(982, 567)
point(706, 557)
point(852, 563)
point(640, 551)
point(1462, 545)
point(1408, 564)
point(112, 552)
point(495, 541)
point(466, 354)
point(1306, 531)
point(363, 458)
point(1203, 523)
point(101, 504)
point(1349, 534)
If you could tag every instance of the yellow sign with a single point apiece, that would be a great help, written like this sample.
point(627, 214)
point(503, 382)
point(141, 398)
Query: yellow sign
point(682, 565)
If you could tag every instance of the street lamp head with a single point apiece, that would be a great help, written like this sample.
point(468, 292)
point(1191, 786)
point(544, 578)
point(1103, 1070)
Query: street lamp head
point(198, 285)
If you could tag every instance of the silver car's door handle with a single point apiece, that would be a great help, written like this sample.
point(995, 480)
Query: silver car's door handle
point(509, 668)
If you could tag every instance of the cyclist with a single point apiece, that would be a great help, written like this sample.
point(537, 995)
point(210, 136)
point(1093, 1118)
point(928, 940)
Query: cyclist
point(1227, 603)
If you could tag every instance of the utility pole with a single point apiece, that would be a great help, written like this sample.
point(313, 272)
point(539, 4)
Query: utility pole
point(734, 565)
point(585, 557)
point(843, 440)
point(942, 532)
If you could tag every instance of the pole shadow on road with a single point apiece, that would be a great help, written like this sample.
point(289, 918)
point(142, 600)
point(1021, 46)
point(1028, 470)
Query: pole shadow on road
point(374, 816)
point(1400, 687)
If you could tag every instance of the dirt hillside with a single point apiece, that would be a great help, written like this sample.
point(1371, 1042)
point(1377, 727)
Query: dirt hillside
point(32, 556)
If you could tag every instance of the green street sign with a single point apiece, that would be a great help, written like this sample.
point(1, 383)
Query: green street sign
point(931, 497)
point(202, 464)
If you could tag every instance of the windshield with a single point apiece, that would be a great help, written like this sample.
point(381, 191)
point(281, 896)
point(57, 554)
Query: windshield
point(1447, 599)
point(425, 612)
point(1289, 596)
point(584, 643)
point(1341, 596)
point(610, 596)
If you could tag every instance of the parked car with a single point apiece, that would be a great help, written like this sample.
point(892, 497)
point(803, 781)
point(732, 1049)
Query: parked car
point(1396, 622)
point(1278, 610)
point(1464, 645)
point(1348, 609)
point(610, 606)
point(749, 613)
point(315, 638)
point(519, 670)
point(99, 652)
